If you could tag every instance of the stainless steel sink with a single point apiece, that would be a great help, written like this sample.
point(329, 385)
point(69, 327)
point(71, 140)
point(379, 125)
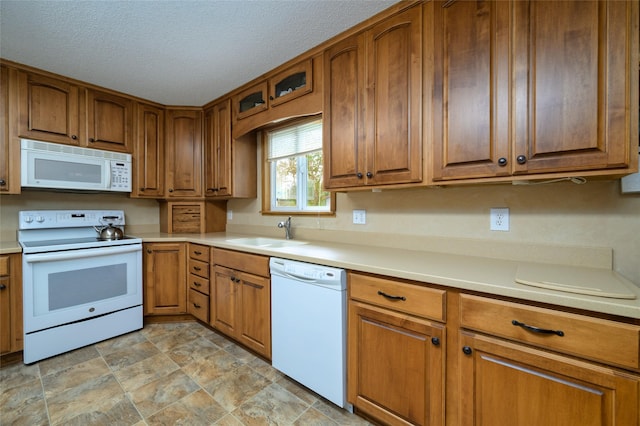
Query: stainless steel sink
point(265, 242)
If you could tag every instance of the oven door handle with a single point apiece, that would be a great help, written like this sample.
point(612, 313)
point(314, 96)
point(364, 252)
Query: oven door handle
point(81, 254)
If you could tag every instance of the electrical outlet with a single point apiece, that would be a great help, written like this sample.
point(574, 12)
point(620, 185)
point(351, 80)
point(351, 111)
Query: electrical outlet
point(229, 214)
point(359, 217)
point(499, 219)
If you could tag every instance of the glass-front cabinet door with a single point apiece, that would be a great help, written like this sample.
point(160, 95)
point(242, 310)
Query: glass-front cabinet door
point(251, 101)
point(291, 83)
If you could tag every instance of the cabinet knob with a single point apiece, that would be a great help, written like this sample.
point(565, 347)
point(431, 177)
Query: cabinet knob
point(195, 305)
point(435, 341)
point(521, 159)
point(149, 251)
point(3, 182)
point(359, 175)
point(2, 286)
point(502, 161)
point(170, 189)
point(369, 174)
point(467, 350)
point(92, 140)
point(271, 97)
point(74, 137)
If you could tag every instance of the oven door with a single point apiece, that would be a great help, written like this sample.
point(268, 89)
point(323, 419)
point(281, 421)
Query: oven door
point(67, 286)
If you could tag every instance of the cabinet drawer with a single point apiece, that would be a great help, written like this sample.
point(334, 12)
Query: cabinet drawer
point(4, 265)
point(246, 262)
point(199, 268)
point(412, 299)
point(199, 252)
point(592, 338)
point(199, 305)
point(198, 283)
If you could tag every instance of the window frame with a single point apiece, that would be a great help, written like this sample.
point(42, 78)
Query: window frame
point(267, 175)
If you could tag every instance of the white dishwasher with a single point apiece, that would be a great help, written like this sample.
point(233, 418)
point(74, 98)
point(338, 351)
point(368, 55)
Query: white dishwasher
point(308, 326)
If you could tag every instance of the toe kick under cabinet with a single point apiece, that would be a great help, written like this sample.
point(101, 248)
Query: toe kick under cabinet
point(420, 354)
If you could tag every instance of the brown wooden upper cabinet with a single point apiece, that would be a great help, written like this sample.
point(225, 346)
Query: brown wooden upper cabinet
point(183, 155)
point(291, 83)
point(49, 109)
point(149, 152)
point(58, 111)
point(251, 101)
point(373, 105)
point(109, 121)
point(217, 142)
point(9, 152)
point(530, 87)
point(230, 164)
point(282, 87)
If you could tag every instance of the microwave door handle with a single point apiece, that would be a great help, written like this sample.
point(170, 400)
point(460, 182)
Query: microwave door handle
point(109, 174)
point(81, 254)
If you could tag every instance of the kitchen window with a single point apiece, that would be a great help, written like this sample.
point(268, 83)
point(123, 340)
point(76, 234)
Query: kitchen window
point(292, 173)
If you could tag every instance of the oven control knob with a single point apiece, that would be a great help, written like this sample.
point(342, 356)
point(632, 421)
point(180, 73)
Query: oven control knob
point(28, 219)
point(39, 219)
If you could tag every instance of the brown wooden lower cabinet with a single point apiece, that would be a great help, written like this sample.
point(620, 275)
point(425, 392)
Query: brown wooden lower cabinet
point(240, 299)
point(165, 278)
point(11, 339)
point(506, 383)
point(419, 354)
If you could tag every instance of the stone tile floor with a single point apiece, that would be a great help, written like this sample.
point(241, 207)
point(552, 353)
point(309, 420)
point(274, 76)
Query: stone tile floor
point(164, 374)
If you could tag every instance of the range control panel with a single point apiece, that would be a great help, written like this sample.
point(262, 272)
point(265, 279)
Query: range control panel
point(42, 219)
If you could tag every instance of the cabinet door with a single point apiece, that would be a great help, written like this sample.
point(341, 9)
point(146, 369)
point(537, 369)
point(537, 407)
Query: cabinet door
point(217, 130)
point(470, 129)
point(165, 278)
point(571, 71)
point(254, 312)
point(343, 141)
point(291, 84)
point(393, 100)
point(109, 121)
point(395, 366)
point(5, 315)
point(49, 109)
point(9, 152)
point(505, 383)
point(149, 152)
point(184, 153)
point(222, 312)
point(251, 101)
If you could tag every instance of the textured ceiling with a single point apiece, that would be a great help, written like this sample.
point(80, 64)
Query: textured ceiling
point(185, 52)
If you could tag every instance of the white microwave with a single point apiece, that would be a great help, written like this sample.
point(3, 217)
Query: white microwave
point(55, 166)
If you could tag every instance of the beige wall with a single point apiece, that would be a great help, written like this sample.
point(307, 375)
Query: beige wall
point(560, 214)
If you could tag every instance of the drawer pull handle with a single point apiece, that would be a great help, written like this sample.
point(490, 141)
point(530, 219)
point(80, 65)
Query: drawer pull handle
point(197, 268)
point(197, 252)
point(195, 305)
point(197, 284)
point(388, 296)
point(536, 329)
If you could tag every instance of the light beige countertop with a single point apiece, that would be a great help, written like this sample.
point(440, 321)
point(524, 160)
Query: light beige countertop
point(466, 272)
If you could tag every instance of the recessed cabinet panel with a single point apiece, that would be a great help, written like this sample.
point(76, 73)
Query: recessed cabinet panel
point(149, 152)
point(49, 109)
point(109, 121)
point(470, 82)
point(184, 153)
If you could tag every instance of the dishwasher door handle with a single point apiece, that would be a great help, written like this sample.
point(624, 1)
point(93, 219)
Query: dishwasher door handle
point(293, 277)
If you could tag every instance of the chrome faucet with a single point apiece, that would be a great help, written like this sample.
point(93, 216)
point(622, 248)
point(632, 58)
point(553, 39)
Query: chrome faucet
point(287, 228)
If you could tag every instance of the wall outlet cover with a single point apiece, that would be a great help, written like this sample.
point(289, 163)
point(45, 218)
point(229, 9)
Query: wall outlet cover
point(359, 217)
point(499, 219)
